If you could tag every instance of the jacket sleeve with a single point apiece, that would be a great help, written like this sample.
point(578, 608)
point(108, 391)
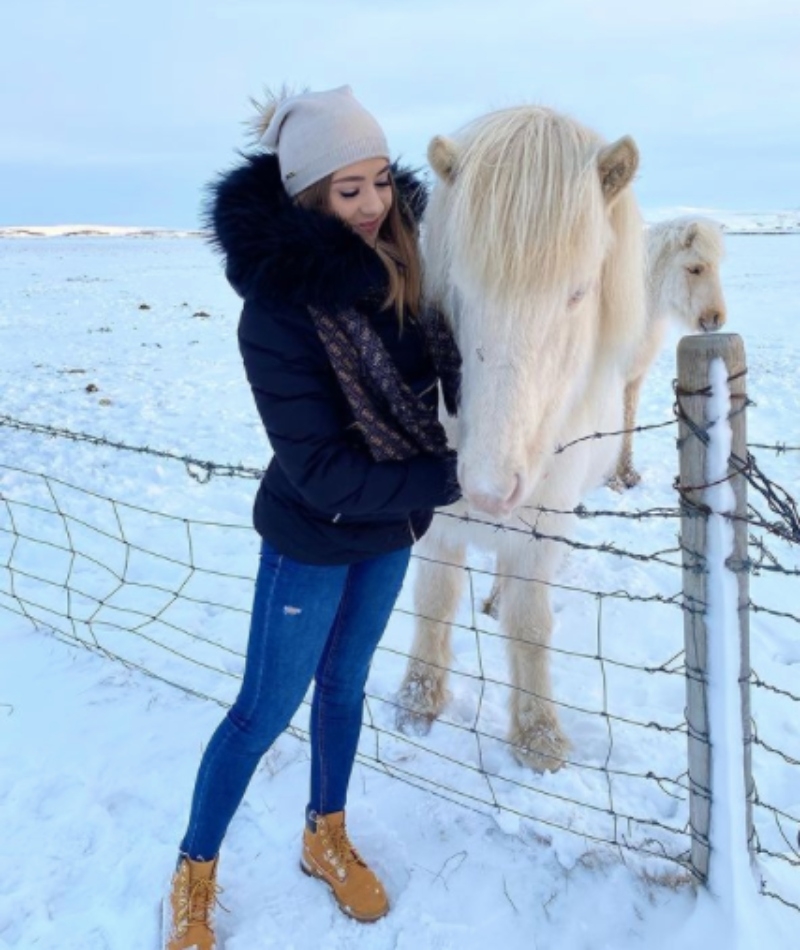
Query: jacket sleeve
point(301, 406)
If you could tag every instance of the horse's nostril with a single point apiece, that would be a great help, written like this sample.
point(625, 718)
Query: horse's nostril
point(711, 321)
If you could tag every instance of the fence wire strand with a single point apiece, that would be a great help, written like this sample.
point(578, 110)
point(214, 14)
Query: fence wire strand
point(127, 610)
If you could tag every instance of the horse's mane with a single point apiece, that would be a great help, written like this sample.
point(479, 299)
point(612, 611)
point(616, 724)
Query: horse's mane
point(523, 184)
point(525, 207)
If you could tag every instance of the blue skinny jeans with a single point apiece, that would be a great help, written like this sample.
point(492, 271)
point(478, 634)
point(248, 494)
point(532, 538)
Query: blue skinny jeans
point(308, 622)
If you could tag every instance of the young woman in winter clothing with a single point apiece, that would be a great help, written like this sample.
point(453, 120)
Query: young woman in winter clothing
point(319, 233)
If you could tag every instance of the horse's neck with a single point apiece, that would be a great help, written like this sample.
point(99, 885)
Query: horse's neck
point(658, 272)
point(659, 309)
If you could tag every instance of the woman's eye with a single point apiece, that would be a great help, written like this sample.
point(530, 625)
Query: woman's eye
point(382, 184)
point(348, 194)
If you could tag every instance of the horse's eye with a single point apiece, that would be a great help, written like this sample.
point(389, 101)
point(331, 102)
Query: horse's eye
point(696, 269)
point(577, 296)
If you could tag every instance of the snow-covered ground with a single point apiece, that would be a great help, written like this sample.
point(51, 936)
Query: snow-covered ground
point(135, 341)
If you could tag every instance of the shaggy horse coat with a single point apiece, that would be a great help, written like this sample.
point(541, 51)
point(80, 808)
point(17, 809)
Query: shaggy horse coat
point(683, 284)
point(533, 249)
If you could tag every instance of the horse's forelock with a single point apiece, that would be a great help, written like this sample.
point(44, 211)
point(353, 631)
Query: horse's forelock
point(664, 238)
point(526, 206)
point(709, 241)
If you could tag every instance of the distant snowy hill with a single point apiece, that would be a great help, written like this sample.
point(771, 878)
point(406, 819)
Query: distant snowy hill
point(90, 230)
point(734, 222)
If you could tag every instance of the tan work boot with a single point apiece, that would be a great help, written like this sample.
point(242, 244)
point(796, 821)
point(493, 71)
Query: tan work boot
point(328, 855)
point(188, 912)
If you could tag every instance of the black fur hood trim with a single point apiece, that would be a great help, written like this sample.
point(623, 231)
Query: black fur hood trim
point(299, 256)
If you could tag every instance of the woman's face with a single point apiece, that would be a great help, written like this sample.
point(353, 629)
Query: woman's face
point(361, 195)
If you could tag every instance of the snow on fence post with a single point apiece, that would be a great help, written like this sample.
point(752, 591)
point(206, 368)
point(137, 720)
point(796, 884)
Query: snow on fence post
point(712, 385)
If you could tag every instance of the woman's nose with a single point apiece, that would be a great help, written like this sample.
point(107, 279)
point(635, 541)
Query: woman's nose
point(372, 204)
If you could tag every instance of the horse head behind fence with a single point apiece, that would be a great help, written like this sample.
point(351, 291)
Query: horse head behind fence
point(683, 285)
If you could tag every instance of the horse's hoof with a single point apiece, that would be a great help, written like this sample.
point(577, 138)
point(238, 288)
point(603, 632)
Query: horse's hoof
point(541, 747)
point(622, 481)
point(420, 700)
point(631, 478)
point(412, 724)
point(490, 607)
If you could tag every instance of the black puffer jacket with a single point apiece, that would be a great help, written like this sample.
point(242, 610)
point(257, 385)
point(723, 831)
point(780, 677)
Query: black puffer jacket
point(323, 499)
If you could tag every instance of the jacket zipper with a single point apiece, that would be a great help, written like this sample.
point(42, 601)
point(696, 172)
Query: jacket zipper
point(411, 529)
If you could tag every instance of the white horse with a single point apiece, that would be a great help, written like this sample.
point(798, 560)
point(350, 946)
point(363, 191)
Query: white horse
point(683, 284)
point(533, 249)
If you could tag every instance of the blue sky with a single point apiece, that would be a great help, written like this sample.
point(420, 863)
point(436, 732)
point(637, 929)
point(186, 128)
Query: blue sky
point(117, 113)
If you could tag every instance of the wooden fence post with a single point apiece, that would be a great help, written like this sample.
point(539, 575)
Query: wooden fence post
point(695, 355)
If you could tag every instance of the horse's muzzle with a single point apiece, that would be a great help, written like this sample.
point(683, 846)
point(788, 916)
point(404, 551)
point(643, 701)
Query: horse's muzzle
point(495, 505)
point(712, 320)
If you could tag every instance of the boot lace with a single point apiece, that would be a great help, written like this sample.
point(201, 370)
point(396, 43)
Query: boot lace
point(343, 852)
point(197, 906)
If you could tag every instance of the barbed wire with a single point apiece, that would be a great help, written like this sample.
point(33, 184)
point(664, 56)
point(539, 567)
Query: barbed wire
point(766, 892)
point(626, 825)
point(755, 680)
point(200, 470)
point(153, 633)
point(593, 436)
point(483, 786)
point(778, 499)
point(779, 448)
point(203, 470)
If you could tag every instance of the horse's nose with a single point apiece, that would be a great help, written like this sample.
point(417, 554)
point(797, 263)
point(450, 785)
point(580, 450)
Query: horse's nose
point(712, 320)
point(497, 504)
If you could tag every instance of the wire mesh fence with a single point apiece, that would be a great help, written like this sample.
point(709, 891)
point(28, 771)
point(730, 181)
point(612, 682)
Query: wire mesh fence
point(170, 596)
point(776, 753)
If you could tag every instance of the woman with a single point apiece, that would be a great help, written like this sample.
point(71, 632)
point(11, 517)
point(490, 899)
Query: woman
point(320, 238)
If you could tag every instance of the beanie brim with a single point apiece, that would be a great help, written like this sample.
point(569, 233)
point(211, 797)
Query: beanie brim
point(296, 180)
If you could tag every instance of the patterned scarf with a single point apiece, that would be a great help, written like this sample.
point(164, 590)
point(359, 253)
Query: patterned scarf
point(395, 422)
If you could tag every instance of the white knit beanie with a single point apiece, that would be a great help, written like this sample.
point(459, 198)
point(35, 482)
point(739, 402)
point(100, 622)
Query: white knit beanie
point(317, 133)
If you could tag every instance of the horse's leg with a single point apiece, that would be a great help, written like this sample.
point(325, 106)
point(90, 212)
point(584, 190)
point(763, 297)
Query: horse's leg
point(437, 589)
point(527, 620)
point(626, 475)
point(491, 606)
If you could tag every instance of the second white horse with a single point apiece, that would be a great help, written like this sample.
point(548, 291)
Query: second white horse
point(683, 285)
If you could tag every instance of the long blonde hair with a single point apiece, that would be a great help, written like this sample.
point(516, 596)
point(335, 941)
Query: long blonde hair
point(397, 247)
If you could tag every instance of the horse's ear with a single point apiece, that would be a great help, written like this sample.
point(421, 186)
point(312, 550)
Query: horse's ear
point(443, 156)
point(689, 234)
point(617, 164)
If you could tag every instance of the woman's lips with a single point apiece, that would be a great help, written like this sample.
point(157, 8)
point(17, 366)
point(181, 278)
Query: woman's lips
point(369, 227)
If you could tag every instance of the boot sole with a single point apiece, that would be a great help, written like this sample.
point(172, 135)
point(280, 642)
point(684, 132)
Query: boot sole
point(310, 871)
